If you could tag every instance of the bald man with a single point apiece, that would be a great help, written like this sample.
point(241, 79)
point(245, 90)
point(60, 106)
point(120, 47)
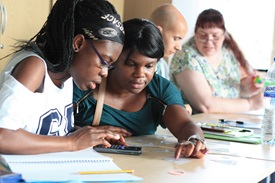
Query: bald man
point(173, 27)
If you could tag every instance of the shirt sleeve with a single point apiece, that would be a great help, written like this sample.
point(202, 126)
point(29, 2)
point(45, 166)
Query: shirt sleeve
point(165, 91)
point(85, 106)
point(14, 113)
point(187, 59)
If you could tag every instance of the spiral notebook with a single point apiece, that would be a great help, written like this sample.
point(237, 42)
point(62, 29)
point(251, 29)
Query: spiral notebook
point(65, 166)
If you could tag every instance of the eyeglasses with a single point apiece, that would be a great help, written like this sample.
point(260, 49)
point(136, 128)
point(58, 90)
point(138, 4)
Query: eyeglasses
point(204, 39)
point(104, 64)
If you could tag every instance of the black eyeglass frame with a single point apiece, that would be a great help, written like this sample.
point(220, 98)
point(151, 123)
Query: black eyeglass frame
point(104, 64)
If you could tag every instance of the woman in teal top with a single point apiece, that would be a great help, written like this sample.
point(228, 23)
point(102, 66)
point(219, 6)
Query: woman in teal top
point(211, 71)
point(137, 100)
point(160, 94)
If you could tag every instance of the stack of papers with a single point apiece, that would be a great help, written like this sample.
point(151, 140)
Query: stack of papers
point(224, 130)
point(230, 133)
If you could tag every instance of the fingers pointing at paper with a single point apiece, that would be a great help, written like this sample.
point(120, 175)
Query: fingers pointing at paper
point(190, 149)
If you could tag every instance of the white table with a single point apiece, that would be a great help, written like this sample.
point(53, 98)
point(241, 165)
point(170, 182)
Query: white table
point(226, 162)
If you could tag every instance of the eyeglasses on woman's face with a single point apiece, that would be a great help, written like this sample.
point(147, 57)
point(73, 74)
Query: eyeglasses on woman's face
point(214, 38)
point(104, 64)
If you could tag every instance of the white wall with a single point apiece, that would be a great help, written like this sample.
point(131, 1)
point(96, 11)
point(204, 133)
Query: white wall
point(250, 22)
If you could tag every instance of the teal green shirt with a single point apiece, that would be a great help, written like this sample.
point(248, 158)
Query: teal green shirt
point(160, 92)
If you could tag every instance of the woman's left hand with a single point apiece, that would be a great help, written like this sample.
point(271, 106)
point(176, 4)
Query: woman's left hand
point(251, 82)
point(251, 85)
point(190, 149)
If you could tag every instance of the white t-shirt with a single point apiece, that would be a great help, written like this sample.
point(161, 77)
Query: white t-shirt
point(46, 113)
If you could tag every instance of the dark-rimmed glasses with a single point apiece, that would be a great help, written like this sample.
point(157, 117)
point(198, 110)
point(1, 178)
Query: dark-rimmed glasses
point(104, 64)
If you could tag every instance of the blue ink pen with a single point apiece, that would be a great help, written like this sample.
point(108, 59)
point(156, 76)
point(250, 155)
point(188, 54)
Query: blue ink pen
point(240, 124)
point(4, 165)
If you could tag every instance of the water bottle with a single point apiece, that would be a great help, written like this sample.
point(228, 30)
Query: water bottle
point(268, 123)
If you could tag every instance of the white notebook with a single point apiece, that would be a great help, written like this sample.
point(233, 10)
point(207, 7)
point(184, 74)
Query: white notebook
point(65, 166)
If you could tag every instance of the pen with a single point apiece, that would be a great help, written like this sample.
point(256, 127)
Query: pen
point(228, 121)
point(106, 172)
point(4, 165)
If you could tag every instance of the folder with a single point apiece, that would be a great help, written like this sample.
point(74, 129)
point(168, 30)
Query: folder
point(252, 139)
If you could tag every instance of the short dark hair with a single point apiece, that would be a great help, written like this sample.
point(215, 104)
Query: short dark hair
point(143, 35)
point(210, 18)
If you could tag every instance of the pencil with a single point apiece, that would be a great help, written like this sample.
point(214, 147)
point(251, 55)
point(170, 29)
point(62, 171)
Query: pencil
point(106, 172)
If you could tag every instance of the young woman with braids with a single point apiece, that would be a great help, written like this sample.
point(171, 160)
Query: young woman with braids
point(211, 70)
point(79, 41)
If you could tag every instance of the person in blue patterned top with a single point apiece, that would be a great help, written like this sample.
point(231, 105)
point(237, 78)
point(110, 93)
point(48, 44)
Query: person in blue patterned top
point(211, 71)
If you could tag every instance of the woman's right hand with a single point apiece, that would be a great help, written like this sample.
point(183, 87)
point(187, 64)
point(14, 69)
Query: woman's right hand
point(89, 136)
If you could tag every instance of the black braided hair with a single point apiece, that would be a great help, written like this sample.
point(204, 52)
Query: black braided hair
point(54, 42)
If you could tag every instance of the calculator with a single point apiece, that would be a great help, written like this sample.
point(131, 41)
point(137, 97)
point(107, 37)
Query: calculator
point(119, 149)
